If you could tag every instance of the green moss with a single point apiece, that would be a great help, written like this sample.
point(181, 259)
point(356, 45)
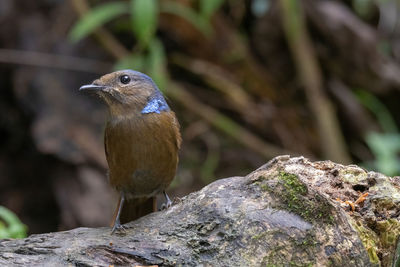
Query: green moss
point(311, 207)
point(380, 241)
point(294, 197)
point(369, 240)
point(292, 184)
point(388, 233)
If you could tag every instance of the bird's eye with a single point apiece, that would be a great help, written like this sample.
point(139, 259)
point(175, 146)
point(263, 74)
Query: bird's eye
point(125, 79)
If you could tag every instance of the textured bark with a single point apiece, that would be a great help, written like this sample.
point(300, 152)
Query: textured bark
point(283, 214)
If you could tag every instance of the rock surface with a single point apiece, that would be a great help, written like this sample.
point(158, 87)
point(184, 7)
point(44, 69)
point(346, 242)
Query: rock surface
point(289, 212)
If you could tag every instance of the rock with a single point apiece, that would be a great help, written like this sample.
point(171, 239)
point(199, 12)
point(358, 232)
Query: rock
point(289, 212)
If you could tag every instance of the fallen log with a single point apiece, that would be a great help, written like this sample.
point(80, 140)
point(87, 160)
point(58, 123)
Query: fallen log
point(289, 212)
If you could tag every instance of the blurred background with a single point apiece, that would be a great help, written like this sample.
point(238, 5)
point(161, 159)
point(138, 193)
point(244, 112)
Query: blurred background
point(248, 80)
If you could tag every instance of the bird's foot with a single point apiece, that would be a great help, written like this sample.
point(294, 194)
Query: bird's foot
point(118, 227)
point(166, 206)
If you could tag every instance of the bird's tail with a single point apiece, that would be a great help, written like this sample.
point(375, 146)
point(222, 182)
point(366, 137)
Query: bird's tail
point(135, 208)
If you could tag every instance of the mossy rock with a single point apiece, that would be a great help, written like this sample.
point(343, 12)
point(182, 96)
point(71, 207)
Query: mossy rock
point(290, 212)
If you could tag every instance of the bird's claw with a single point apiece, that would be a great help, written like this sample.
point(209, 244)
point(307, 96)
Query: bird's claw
point(118, 228)
point(166, 206)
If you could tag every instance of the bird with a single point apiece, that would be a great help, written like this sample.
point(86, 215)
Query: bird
point(141, 140)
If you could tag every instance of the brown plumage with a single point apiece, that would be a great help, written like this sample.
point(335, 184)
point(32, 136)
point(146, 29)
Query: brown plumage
point(141, 140)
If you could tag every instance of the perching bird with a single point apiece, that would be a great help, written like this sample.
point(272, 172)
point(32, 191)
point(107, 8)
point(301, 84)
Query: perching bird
point(141, 141)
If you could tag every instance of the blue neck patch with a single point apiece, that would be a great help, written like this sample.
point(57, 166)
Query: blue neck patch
point(156, 104)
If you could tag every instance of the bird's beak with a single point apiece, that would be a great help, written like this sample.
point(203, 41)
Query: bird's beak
point(92, 87)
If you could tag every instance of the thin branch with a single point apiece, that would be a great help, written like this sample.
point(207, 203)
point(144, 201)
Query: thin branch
point(32, 58)
point(217, 78)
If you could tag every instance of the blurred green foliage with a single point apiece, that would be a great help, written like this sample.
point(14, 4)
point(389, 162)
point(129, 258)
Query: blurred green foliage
point(10, 225)
point(208, 7)
point(144, 16)
point(95, 18)
point(384, 146)
point(148, 55)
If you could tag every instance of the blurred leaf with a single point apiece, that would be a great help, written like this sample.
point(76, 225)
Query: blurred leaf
point(144, 19)
point(157, 64)
point(385, 148)
point(208, 7)
point(379, 109)
point(134, 62)
point(188, 14)
point(96, 17)
point(10, 225)
point(226, 124)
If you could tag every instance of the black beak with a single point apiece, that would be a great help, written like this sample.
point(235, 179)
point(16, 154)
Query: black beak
point(92, 87)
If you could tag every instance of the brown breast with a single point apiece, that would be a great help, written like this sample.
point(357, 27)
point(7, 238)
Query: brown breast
point(142, 152)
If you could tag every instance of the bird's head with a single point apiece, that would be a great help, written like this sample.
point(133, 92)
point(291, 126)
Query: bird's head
point(128, 91)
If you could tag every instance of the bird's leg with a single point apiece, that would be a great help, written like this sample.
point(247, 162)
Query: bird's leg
point(117, 224)
point(168, 204)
